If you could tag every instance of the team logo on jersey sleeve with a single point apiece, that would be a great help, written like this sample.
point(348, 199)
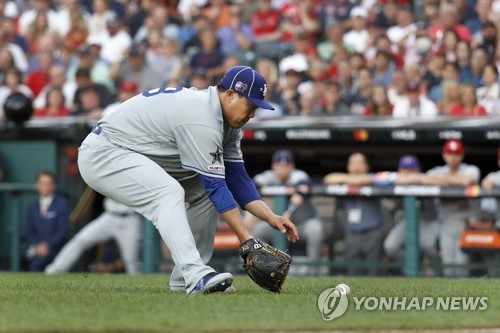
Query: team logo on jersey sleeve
point(217, 156)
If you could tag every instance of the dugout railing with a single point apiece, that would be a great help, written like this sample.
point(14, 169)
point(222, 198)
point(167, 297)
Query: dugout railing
point(14, 193)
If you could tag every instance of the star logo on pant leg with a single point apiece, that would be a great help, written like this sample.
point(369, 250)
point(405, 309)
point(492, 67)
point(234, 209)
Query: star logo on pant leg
point(217, 156)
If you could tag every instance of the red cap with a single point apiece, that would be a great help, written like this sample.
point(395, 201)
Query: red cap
point(129, 86)
point(453, 147)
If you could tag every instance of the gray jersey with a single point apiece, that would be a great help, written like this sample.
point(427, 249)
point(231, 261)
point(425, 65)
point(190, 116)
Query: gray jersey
point(307, 209)
point(454, 206)
point(184, 138)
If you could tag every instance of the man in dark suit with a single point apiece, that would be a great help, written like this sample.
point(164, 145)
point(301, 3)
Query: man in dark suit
point(47, 223)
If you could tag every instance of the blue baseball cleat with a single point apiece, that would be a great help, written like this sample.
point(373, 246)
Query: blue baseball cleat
point(213, 283)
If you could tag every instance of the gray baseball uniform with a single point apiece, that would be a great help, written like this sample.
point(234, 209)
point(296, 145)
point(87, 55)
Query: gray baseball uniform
point(148, 156)
point(453, 213)
point(117, 222)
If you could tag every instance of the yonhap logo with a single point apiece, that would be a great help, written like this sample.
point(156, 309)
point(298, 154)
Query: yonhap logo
point(332, 304)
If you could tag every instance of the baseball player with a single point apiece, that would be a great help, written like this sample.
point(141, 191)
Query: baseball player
point(453, 211)
point(170, 146)
point(117, 222)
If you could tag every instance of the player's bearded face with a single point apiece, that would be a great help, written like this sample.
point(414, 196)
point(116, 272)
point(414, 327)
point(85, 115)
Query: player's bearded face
point(239, 111)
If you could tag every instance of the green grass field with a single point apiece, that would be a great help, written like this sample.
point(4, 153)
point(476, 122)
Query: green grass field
point(122, 303)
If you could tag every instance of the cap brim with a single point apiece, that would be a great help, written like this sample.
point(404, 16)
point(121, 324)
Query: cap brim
point(260, 103)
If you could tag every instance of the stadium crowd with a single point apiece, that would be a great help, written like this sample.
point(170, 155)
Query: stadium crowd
point(365, 58)
point(397, 58)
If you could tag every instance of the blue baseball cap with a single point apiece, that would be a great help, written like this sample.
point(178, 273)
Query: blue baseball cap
point(248, 83)
point(283, 157)
point(409, 162)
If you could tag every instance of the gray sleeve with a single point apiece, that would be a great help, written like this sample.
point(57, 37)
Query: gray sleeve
point(200, 149)
point(232, 147)
point(494, 177)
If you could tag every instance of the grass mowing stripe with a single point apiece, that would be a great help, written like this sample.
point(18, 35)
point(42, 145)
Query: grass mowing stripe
point(124, 303)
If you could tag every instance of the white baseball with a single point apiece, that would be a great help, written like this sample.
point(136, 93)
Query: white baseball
point(343, 289)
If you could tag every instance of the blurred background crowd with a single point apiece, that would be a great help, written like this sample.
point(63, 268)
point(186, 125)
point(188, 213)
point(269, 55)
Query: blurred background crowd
point(350, 58)
point(400, 58)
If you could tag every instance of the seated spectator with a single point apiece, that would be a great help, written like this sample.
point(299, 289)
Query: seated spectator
point(158, 19)
point(88, 58)
point(29, 16)
point(298, 60)
point(434, 70)
point(11, 55)
point(237, 38)
point(451, 97)
point(378, 104)
point(363, 232)
point(334, 41)
point(40, 78)
point(300, 209)
point(83, 81)
point(397, 89)
point(265, 24)
point(134, 68)
point(382, 69)
point(47, 223)
point(55, 105)
point(473, 73)
point(404, 32)
point(450, 42)
point(11, 33)
point(57, 79)
point(12, 83)
point(448, 20)
point(414, 105)
point(358, 37)
point(209, 57)
point(468, 105)
point(488, 96)
point(489, 40)
point(308, 103)
point(218, 13)
point(298, 17)
point(90, 104)
point(362, 93)
point(100, 14)
point(77, 33)
point(38, 28)
point(334, 13)
point(115, 41)
point(332, 103)
point(450, 73)
point(290, 96)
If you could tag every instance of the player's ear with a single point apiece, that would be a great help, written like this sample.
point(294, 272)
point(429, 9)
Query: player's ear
point(230, 95)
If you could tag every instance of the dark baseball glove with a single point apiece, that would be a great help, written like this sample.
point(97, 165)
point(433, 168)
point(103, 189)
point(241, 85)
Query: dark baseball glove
point(266, 265)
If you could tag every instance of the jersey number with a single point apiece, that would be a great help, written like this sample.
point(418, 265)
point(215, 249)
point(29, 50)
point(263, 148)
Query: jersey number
point(157, 91)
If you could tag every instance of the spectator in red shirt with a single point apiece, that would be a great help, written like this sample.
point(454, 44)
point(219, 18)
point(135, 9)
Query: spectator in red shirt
point(265, 23)
point(39, 78)
point(468, 105)
point(299, 16)
point(55, 105)
point(448, 20)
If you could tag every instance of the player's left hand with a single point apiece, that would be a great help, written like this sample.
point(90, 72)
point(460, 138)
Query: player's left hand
point(286, 226)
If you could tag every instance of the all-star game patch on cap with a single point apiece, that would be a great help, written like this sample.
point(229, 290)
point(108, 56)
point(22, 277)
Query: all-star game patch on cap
point(248, 83)
point(453, 147)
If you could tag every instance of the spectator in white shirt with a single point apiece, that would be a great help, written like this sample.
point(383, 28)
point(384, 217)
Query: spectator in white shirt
point(414, 104)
